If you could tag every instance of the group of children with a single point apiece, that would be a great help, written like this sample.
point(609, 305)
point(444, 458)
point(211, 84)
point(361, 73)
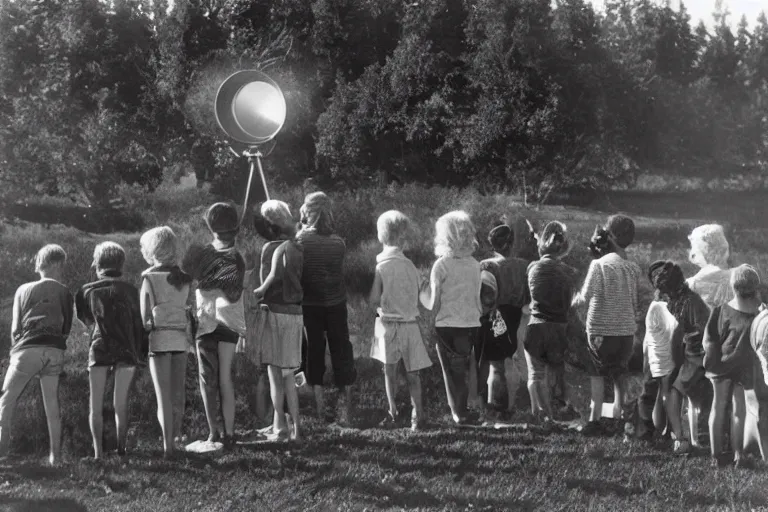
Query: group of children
point(283, 316)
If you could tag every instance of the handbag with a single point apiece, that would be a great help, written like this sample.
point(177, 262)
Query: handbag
point(499, 327)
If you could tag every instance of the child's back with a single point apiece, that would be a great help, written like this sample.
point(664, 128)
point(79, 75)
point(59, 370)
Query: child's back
point(400, 286)
point(45, 310)
point(511, 280)
point(112, 307)
point(551, 288)
point(460, 291)
point(612, 291)
point(727, 349)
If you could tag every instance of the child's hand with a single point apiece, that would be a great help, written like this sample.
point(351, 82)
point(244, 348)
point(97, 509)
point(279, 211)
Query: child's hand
point(258, 293)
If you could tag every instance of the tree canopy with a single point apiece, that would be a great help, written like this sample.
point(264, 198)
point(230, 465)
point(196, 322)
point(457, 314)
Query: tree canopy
point(489, 93)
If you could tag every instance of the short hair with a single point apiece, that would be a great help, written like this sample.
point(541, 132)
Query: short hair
point(667, 277)
point(392, 228)
point(222, 218)
point(745, 281)
point(108, 256)
point(709, 246)
point(316, 213)
point(48, 256)
point(501, 238)
point(455, 235)
point(160, 245)
point(622, 228)
point(553, 240)
point(279, 214)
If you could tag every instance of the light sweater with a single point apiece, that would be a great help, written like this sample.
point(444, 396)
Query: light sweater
point(459, 282)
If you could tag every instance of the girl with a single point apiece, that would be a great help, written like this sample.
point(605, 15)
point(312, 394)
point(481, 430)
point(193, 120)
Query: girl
point(611, 291)
point(494, 352)
point(164, 293)
point(325, 303)
point(728, 359)
point(111, 308)
point(454, 295)
point(710, 252)
point(281, 319)
point(549, 281)
point(219, 270)
point(395, 295)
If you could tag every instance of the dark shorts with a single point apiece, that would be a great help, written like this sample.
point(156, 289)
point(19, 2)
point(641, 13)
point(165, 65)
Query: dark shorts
point(222, 333)
point(610, 354)
point(743, 378)
point(547, 342)
point(456, 341)
point(490, 347)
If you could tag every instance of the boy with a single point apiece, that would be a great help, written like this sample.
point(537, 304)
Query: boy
point(395, 294)
point(611, 291)
point(42, 319)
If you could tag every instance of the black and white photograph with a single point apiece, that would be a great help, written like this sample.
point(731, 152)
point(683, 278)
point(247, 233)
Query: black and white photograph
point(383, 255)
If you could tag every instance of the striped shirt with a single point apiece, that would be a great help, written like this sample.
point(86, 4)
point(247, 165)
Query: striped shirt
point(322, 276)
point(551, 288)
point(611, 290)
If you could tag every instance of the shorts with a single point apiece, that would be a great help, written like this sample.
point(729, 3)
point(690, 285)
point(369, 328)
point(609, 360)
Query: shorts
point(744, 378)
point(490, 347)
point(546, 342)
point(456, 341)
point(37, 361)
point(610, 354)
point(393, 341)
point(222, 333)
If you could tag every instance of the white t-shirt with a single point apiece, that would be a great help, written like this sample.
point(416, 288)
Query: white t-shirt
point(660, 326)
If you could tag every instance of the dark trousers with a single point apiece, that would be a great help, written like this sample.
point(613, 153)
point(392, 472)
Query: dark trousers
point(646, 403)
point(329, 322)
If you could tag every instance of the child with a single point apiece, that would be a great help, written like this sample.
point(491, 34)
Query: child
point(111, 307)
point(395, 294)
point(728, 359)
point(282, 323)
point(495, 351)
point(325, 304)
point(549, 281)
point(219, 270)
point(710, 251)
point(660, 328)
point(42, 319)
point(611, 291)
point(164, 293)
point(454, 295)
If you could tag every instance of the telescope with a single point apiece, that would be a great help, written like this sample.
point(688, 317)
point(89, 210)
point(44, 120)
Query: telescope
point(250, 108)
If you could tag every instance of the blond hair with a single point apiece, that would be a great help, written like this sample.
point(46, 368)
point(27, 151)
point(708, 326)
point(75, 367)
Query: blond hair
point(279, 214)
point(455, 235)
point(49, 256)
point(709, 246)
point(316, 214)
point(392, 227)
point(160, 246)
point(108, 256)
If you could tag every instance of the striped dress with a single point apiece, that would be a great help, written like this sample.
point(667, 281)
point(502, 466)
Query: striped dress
point(611, 290)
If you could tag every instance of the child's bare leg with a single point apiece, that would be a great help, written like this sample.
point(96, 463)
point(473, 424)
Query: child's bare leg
point(277, 391)
point(445, 365)
point(619, 387)
point(513, 382)
point(390, 384)
point(737, 422)
point(97, 379)
point(13, 385)
point(160, 369)
point(49, 386)
point(672, 406)
point(292, 398)
point(722, 391)
point(414, 387)
point(693, 422)
point(597, 388)
point(123, 379)
point(227, 387)
point(496, 375)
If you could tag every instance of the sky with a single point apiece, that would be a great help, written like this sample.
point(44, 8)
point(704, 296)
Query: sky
point(703, 9)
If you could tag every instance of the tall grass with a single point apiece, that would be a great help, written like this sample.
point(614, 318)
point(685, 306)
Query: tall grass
point(355, 217)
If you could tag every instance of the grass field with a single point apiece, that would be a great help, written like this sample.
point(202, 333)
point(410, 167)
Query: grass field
point(524, 468)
